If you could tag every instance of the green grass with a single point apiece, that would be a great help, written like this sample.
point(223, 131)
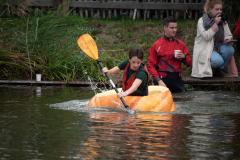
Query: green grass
point(50, 42)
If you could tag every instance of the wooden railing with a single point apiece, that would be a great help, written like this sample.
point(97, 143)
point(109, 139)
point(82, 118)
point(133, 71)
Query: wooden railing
point(146, 9)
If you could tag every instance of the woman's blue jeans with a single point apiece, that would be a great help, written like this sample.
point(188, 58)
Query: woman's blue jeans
point(221, 59)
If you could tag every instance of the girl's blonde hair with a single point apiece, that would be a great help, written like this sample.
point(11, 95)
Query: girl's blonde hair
point(209, 4)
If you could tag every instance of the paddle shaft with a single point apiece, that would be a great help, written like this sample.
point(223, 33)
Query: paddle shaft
point(112, 83)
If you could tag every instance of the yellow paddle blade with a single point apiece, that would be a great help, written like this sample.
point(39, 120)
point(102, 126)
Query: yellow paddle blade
point(88, 46)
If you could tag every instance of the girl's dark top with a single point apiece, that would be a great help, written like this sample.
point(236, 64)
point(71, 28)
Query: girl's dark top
point(141, 74)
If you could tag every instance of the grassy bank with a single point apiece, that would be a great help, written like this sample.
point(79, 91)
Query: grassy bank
point(46, 44)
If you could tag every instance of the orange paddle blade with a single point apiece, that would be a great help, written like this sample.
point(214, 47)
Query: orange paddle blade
point(88, 46)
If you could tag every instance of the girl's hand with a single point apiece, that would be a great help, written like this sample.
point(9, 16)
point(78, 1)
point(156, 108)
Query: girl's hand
point(104, 69)
point(122, 94)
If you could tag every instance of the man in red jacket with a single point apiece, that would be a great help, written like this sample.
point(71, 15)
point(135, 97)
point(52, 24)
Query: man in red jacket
point(165, 57)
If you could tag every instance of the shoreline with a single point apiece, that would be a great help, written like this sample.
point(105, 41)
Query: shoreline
point(195, 82)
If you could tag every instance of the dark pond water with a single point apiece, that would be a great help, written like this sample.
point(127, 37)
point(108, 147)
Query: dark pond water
point(54, 123)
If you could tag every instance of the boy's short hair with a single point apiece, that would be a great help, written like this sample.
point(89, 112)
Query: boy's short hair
point(135, 52)
point(168, 20)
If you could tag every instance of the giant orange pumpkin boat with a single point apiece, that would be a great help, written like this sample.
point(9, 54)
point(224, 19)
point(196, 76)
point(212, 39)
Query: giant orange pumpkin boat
point(159, 99)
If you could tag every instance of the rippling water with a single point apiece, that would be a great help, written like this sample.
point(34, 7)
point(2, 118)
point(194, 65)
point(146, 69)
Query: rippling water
point(55, 123)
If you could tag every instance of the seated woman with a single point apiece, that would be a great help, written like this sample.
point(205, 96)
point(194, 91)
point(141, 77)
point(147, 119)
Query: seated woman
point(135, 78)
point(213, 51)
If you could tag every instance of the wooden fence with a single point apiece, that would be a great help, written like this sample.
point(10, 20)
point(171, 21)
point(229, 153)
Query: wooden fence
point(135, 9)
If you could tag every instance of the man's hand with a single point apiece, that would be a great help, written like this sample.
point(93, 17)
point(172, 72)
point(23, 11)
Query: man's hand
point(178, 54)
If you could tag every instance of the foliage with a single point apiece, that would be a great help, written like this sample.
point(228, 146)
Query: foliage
point(45, 42)
point(51, 43)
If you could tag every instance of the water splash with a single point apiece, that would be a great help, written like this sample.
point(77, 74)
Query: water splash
point(94, 86)
point(77, 105)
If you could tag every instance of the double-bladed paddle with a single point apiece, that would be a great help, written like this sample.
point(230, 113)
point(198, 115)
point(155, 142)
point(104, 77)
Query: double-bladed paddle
point(89, 47)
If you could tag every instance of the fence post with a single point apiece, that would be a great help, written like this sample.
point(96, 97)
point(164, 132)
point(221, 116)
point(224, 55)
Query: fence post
point(63, 4)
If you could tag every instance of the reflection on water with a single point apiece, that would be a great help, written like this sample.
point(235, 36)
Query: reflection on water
point(144, 136)
point(57, 124)
point(38, 91)
point(207, 102)
point(209, 134)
